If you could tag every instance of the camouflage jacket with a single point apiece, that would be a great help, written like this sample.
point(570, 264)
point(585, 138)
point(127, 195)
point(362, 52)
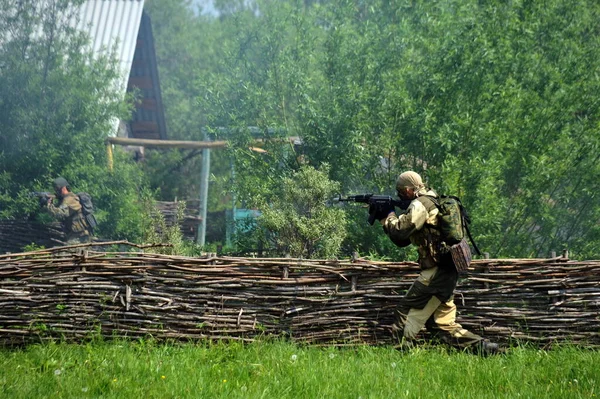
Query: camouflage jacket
point(69, 213)
point(418, 226)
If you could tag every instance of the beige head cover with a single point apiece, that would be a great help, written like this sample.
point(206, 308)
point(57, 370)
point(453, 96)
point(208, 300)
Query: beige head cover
point(410, 179)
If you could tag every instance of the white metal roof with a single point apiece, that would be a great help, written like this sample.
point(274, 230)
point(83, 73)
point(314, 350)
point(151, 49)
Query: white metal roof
point(113, 23)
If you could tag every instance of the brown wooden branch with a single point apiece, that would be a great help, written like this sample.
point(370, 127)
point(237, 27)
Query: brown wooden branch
point(64, 292)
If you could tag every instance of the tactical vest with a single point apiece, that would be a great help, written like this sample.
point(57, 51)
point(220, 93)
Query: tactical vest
point(428, 240)
point(447, 238)
point(75, 223)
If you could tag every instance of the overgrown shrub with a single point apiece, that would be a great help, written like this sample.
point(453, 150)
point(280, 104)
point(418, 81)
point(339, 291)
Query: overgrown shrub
point(298, 219)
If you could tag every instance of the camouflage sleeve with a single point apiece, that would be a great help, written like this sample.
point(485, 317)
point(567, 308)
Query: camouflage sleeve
point(60, 212)
point(400, 228)
point(66, 208)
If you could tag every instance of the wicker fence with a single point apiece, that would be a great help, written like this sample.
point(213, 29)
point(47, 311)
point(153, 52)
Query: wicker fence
point(54, 293)
point(16, 234)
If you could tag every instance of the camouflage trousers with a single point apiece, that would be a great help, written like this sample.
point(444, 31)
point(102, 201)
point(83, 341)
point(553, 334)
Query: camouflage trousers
point(72, 240)
point(439, 318)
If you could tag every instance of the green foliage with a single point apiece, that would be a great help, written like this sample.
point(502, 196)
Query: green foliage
point(56, 99)
point(183, 38)
point(504, 101)
point(491, 101)
point(157, 231)
point(299, 218)
point(32, 247)
point(58, 103)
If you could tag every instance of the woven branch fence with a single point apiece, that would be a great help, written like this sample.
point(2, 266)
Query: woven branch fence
point(77, 295)
point(15, 234)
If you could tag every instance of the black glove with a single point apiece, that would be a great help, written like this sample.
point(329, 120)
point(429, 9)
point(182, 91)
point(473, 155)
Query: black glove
point(380, 211)
point(44, 201)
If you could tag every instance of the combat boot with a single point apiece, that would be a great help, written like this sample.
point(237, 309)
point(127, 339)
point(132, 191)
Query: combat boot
point(486, 348)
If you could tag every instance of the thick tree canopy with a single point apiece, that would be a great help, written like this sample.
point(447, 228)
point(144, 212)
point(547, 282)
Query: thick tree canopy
point(493, 101)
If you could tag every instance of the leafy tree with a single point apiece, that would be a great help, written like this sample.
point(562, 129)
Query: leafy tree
point(488, 100)
point(58, 103)
point(507, 92)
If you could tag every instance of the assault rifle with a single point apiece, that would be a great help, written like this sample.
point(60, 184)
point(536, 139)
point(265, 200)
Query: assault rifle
point(44, 196)
point(377, 204)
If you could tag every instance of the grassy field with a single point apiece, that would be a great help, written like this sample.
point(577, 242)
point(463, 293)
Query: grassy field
point(125, 369)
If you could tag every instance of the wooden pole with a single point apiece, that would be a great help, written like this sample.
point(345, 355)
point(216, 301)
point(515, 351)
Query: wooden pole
point(205, 145)
point(166, 143)
point(109, 153)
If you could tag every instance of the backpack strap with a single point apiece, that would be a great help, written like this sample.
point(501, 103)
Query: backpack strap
point(471, 239)
point(429, 202)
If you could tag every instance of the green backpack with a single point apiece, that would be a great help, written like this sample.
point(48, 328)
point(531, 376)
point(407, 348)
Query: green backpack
point(453, 220)
point(87, 208)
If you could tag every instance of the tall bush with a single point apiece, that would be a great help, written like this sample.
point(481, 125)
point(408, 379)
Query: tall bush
point(298, 218)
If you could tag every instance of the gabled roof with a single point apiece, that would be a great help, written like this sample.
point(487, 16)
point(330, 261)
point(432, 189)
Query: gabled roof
point(113, 23)
point(148, 120)
point(124, 26)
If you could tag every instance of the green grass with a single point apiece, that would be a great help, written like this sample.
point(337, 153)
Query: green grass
point(125, 369)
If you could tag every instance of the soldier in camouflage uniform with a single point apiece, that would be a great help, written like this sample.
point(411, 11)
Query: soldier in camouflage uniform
point(429, 302)
point(68, 211)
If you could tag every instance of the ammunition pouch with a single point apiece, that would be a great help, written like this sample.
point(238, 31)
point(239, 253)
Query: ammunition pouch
point(461, 255)
point(78, 225)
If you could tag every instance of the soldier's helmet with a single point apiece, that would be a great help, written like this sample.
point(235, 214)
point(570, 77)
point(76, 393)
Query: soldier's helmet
point(60, 182)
